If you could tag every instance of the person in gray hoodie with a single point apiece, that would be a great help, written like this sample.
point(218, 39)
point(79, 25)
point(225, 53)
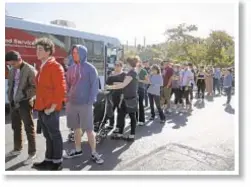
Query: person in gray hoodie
point(82, 89)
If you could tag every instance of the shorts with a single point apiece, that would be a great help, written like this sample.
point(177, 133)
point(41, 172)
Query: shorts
point(79, 116)
point(165, 96)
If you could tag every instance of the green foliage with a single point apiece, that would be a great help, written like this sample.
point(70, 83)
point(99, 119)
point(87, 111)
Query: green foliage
point(182, 45)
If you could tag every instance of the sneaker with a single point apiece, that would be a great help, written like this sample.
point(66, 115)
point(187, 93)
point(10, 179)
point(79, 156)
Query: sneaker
point(162, 121)
point(151, 118)
point(56, 167)
point(130, 137)
point(117, 135)
point(97, 158)
point(13, 153)
point(73, 153)
point(30, 159)
point(141, 123)
point(45, 165)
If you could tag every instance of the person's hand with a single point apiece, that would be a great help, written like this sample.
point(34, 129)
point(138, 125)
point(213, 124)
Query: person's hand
point(48, 111)
point(186, 88)
point(108, 87)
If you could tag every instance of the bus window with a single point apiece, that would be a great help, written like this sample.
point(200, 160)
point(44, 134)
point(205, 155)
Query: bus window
point(98, 48)
point(74, 41)
point(60, 38)
point(89, 46)
point(81, 41)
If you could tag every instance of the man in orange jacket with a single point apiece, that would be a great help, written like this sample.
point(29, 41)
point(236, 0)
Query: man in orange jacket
point(50, 95)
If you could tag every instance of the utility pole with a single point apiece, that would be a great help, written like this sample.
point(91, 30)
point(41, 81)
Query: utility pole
point(135, 42)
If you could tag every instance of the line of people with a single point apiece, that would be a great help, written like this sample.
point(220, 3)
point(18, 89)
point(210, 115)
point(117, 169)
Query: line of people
point(159, 84)
point(46, 90)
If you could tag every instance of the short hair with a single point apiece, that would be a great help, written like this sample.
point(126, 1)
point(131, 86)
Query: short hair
point(120, 63)
point(137, 59)
point(156, 67)
point(190, 64)
point(132, 61)
point(47, 44)
point(12, 56)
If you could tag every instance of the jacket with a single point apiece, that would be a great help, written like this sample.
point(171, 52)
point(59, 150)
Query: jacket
point(26, 88)
point(51, 86)
point(82, 80)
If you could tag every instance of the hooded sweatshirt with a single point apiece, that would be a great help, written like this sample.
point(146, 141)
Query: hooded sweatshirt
point(82, 80)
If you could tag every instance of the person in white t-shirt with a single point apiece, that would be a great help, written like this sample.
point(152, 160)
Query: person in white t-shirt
point(186, 78)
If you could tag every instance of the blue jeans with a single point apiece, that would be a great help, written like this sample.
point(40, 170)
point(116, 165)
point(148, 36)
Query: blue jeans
point(216, 85)
point(52, 134)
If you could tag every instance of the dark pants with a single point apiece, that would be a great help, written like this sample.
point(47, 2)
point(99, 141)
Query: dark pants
point(191, 92)
point(140, 116)
point(229, 94)
point(216, 85)
point(177, 96)
point(186, 94)
point(121, 119)
point(52, 134)
point(116, 101)
point(146, 96)
point(19, 115)
point(201, 88)
point(156, 99)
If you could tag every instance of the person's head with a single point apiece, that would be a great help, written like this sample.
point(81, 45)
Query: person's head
point(45, 48)
point(201, 68)
point(228, 71)
point(155, 70)
point(167, 63)
point(190, 65)
point(132, 62)
point(13, 58)
point(139, 66)
point(146, 64)
point(176, 67)
point(79, 54)
point(118, 66)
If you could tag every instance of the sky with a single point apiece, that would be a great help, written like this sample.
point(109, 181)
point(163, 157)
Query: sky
point(127, 21)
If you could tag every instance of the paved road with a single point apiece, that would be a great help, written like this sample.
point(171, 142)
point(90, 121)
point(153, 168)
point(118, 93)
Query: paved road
point(201, 141)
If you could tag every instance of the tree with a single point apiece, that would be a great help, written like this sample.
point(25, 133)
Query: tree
point(220, 48)
point(180, 38)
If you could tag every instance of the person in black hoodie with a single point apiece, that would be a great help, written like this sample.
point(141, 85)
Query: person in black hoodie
point(116, 77)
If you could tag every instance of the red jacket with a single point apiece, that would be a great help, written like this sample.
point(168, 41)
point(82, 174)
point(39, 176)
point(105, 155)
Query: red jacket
point(51, 86)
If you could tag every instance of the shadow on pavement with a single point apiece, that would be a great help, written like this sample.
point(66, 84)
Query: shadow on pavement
point(9, 158)
point(209, 98)
point(179, 119)
point(229, 109)
point(199, 104)
point(109, 149)
point(15, 167)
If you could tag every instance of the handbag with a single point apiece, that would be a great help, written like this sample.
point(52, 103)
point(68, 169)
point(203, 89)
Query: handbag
point(131, 104)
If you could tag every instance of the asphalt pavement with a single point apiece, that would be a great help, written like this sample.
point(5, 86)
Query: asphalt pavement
point(200, 141)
